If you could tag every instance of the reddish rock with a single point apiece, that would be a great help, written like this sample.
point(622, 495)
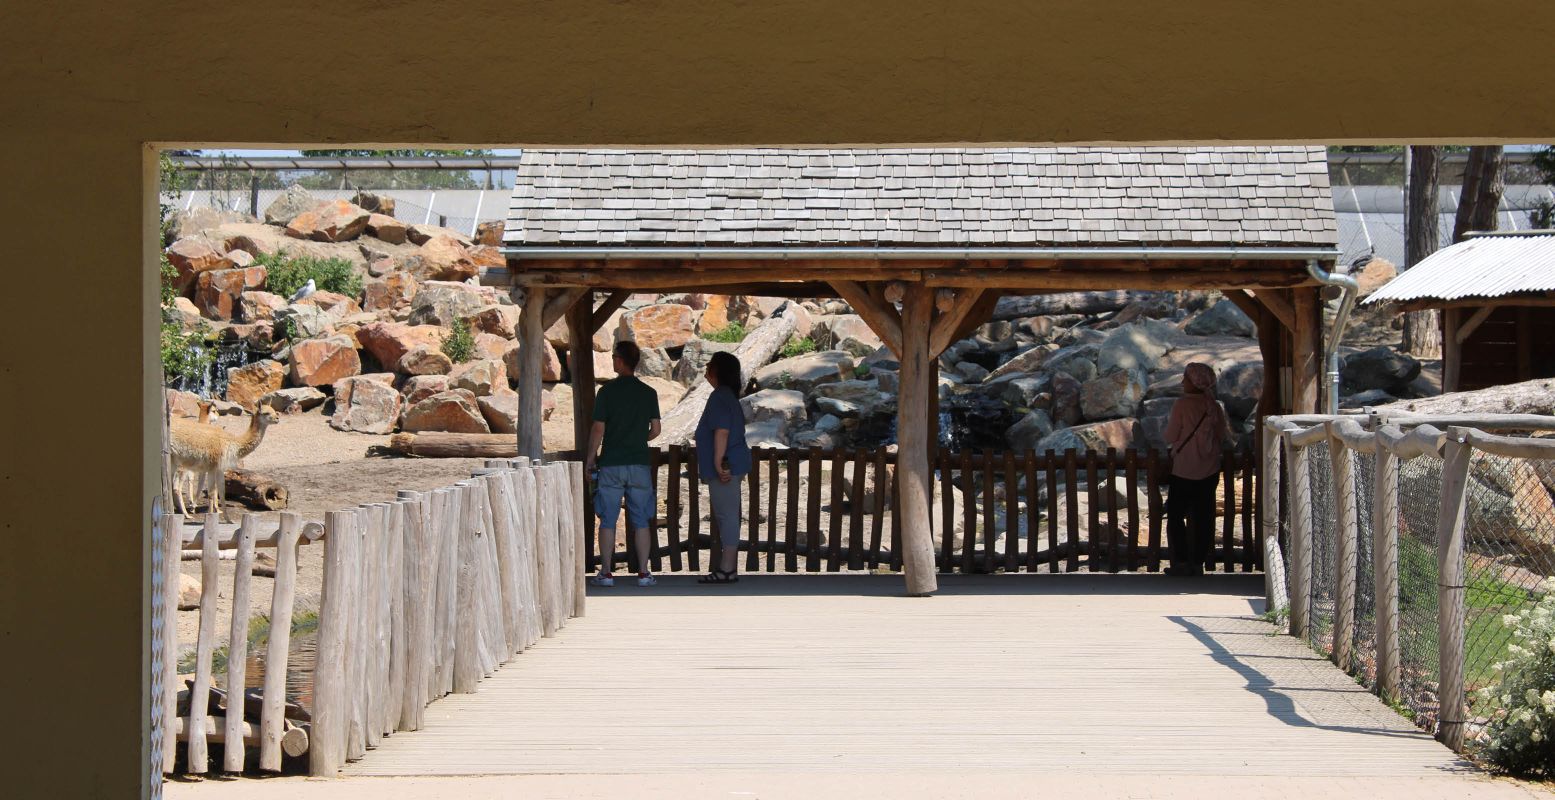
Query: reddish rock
point(183, 404)
point(550, 363)
point(365, 405)
point(490, 345)
point(253, 238)
point(188, 312)
point(295, 400)
point(219, 294)
point(332, 221)
point(665, 325)
point(420, 387)
point(192, 256)
point(189, 591)
point(557, 333)
point(604, 367)
point(485, 256)
point(500, 320)
point(605, 337)
point(390, 341)
point(421, 234)
point(441, 258)
point(455, 411)
point(246, 385)
point(322, 362)
point(1066, 399)
point(336, 304)
point(394, 290)
point(481, 378)
point(501, 412)
point(490, 233)
point(720, 310)
point(424, 360)
point(380, 204)
point(259, 305)
point(387, 228)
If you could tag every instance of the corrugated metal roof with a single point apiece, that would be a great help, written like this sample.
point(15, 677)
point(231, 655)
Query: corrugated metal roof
point(1481, 267)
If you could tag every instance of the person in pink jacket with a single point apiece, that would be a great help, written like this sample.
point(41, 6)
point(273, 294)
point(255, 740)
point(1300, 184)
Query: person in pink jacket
point(1196, 431)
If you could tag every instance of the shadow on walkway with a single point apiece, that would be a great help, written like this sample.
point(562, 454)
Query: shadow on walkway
point(891, 585)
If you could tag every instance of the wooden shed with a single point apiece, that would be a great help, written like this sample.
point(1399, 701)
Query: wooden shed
point(1496, 292)
point(922, 243)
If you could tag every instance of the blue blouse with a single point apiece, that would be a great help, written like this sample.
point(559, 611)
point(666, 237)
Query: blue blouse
point(723, 411)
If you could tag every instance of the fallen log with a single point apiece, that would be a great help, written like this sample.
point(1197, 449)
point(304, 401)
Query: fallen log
point(1038, 305)
point(255, 490)
point(758, 348)
point(294, 741)
point(429, 444)
point(1528, 397)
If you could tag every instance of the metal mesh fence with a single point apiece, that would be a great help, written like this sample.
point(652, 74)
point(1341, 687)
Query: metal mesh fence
point(1320, 620)
point(1365, 634)
point(1419, 503)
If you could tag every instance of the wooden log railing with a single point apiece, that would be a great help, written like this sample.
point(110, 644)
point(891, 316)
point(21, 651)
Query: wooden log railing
point(423, 596)
point(825, 511)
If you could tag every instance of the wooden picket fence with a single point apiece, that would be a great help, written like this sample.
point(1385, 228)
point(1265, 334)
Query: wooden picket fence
point(1051, 512)
point(422, 597)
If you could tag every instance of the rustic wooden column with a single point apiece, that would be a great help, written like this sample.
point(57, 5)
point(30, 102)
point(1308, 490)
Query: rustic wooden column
point(1452, 350)
point(912, 432)
point(1306, 369)
point(531, 337)
point(580, 363)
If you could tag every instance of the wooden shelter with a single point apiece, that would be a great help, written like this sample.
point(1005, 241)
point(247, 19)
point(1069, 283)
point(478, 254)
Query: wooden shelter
point(1496, 292)
point(922, 243)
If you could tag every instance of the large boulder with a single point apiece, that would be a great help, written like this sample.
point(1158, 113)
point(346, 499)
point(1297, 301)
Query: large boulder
point(1076, 361)
point(693, 359)
point(490, 232)
point(1029, 431)
point(1240, 387)
point(1378, 368)
point(294, 400)
point(1137, 346)
point(490, 345)
point(662, 325)
point(1221, 319)
point(850, 399)
point(485, 256)
point(424, 360)
point(219, 293)
point(1118, 433)
point(442, 302)
point(256, 305)
point(501, 319)
point(366, 405)
point(420, 387)
point(454, 411)
point(388, 342)
point(440, 259)
point(386, 228)
point(551, 365)
point(1066, 399)
point(484, 377)
point(784, 405)
point(421, 234)
point(1024, 362)
point(655, 363)
point(1113, 395)
point(720, 310)
point(292, 202)
point(605, 337)
point(323, 362)
point(374, 202)
point(395, 290)
point(1021, 392)
point(805, 372)
point(332, 221)
point(192, 256)
point(199, 219)
point(247, 385)
point(338, 305)
point(500, 411)
point(846, 332)
point(767, 433)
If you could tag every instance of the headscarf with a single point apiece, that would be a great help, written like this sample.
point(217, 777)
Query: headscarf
point(1204, 438)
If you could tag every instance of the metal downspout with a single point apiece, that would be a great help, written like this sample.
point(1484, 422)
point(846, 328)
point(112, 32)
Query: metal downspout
point(1351, 289)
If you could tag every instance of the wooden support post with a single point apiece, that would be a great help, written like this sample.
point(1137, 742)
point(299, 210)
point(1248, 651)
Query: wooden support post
point(205, 648)
point(1450, 592)
point(547, 557)
point(272, 715)
point(1276, 592)
point(1269, 336)
point(327, 751)
point(609, 306)
point(1306, 369)
point(466, 664)
point(529, 567)
point(172, 546)
point(1342, 462)
point(237, 644)
point(418, 577)
point(913, 473)
point(531, 337)
point(958, 312)
point(1384, 560)
point(580, 363)
point(876, 312)
point(1300, 538)
point(1452, 349)
point(580, 532)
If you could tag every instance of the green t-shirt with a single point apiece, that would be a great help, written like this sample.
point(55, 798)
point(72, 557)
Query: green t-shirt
point(626, 405)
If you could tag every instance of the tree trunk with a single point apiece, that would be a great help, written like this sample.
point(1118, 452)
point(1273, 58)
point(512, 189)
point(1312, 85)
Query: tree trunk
point(754, 352)
point(1036, 305)
point(429, 444)
point(1482, 188)
point(1529, 397)
point(1422, 329)
point(255, 490)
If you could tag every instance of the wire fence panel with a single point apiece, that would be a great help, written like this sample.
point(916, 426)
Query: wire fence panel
point(1325, 523)
point(1365, 636)
point(1419, 504)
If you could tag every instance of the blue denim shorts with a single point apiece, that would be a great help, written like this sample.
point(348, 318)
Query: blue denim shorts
point(631, 481)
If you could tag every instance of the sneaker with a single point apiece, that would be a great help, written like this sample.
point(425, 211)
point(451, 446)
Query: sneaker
point(603, 579)
point(646, 579)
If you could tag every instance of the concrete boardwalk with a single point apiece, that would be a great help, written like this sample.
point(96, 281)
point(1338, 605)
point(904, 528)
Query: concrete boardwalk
point(1129, 686)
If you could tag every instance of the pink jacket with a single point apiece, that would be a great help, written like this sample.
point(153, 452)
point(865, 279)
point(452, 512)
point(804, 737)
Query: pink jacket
point(1196, 429)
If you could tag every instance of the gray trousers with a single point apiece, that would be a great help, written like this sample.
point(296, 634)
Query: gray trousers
point(724, 499)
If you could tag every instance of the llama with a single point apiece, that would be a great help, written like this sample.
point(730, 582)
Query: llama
point(210, 451)
point(185, 482)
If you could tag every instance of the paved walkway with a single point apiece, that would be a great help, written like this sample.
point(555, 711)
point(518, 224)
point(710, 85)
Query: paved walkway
point(807, 686)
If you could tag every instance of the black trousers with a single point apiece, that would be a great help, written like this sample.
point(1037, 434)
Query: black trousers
point(1190, 520)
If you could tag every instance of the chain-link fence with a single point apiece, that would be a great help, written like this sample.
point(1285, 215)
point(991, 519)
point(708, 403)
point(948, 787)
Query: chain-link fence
point(1419, 504)
point(1325, 521)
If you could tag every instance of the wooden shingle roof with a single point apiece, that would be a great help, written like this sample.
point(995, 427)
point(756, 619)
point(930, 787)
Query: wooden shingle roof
point(1060, 196)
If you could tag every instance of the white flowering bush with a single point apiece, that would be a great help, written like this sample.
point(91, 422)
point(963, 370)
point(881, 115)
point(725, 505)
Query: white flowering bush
point(1520, 737)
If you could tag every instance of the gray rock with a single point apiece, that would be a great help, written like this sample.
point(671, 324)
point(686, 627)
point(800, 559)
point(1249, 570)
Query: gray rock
point(1156, 407)
point(293, 401)
point(1378, 368)
point(767, 433)
point(1079, 336)
point(1021, 392)
point(442, 302)
point(1031, 429)
point(888, 380)
point(1370, 397)
point(292, 202)
point(1026, 361)
point(1240, 387)
point(1078, 361)
point(693, 359)
point(1114, 395)
point(500, 411)
point(1164, 386)
point(1066, 399)
point(305, 321)
point(805, 372)
point(656, 363)
point(365, 405)
point(1118, 433)
point(972, 373)
point(785, 405)
point(837, 407)
point(1152, 431)
point(827, 424)
point(1222, 319)
point(1137, 346)
point(822, 440)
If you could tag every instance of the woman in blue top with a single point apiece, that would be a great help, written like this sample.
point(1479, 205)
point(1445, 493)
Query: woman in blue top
point(723, 458)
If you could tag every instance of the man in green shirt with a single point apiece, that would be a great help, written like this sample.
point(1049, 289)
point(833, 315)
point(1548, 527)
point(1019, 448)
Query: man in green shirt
point(626, 418)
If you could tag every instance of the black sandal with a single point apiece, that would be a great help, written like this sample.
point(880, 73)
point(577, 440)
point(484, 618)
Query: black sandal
point(719, 576)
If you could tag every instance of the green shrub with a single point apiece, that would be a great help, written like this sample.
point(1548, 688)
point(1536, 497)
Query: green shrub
point(459, 343)
point(1520, 737)
point(285, 274)
point(797, 347)
point(861, 372)
point(185, 356)
point(728, 334)
point(169, 277)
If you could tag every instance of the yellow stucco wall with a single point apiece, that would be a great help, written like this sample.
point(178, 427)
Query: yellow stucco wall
point(85, 86)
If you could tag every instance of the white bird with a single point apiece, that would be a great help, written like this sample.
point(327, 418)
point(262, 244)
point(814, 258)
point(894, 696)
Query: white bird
point(306, 290)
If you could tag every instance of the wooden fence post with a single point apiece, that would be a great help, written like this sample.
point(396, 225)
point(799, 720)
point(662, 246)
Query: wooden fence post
point(272, 713)
point(393, 709)
point(548, 558)
point(580, 538)
point(420, 570)
point(237, 645)
point(205, 647)
point(1384, 529)
point(1276, 591)
point(1300, 538)
point(448, 587)
point(499, 497)
point(356, 639)
point(1342, 462)
point(327, 745)
point(466, 662)
point(1450, 599)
